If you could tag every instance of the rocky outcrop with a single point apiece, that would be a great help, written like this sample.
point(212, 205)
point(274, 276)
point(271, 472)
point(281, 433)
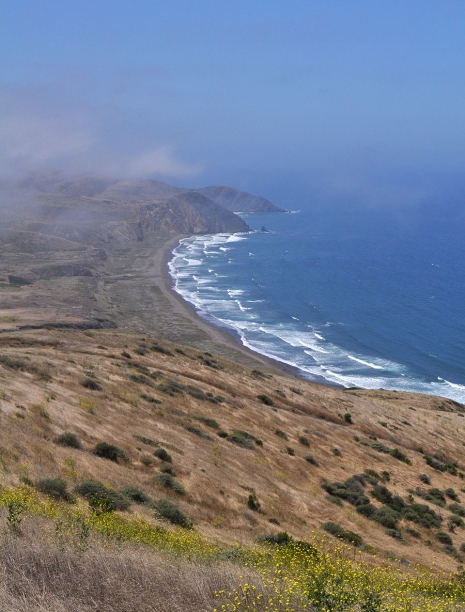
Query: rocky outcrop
point(238, 201)
point(190, 212)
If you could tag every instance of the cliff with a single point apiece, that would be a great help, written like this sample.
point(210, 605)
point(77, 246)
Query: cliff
point(239, 201)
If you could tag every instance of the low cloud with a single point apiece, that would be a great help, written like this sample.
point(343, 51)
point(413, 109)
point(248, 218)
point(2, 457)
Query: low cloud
point(37, 132)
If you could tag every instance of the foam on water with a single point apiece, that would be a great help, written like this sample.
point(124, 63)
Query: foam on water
point(298, 341)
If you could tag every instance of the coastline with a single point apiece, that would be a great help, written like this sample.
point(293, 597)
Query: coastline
point(216, 333)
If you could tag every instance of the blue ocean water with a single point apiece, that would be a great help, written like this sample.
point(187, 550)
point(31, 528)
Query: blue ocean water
point(366, 298)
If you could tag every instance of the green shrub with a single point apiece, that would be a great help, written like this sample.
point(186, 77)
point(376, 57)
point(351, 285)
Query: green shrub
point(276, 539)
point(311, 459)
point(146, 460)
point(102, 497)
point(462, 547)
point(394, 533)
point(281, 434)
point(222, 433)
point(457, 509)
point(208, 422)
point(336, 452)
point(68, 439)
point(160, 349)
point(166, 509)
point(424, 478)
point(382, 494)
point(443, 537)
point(348, 418)
point(126, 355)
point(253, 503)
point(452, 494)
point(90, 383)
point(397, 454)
point(386, 517)
point(55, 487)
point(290, 451)
point(303, 440)
point(422, 515)
point(265, 399)
point(110, 452)
point(171, 387)
point(334, 529)
point(168, 482)
point(197, 432)
point(150, 399)
point(162, 454)
point(166, 468)
point(452, 551)
point(136, 495)
point(242, 438)
point(455, 521)
point(339, 532)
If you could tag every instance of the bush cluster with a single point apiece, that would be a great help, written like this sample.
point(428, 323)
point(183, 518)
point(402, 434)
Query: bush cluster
point(69, 439)
point(102, 496)
point(110, 452)
point(339, 532)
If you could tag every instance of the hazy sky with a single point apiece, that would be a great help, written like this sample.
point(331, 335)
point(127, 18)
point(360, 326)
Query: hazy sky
point(348, 99)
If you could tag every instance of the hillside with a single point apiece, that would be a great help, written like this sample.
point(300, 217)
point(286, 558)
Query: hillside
point(96, 348)
point(230, 433)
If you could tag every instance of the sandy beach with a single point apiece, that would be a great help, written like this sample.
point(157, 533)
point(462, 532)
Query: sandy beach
point(218, 335)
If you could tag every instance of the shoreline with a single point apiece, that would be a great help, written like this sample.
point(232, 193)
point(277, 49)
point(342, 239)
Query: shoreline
point(216, 333)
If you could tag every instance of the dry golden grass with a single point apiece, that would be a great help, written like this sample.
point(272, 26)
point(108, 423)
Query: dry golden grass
point(44, 397)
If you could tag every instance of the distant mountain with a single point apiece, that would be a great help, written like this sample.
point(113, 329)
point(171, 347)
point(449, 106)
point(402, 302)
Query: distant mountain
point(238, 201)
point(190, 212)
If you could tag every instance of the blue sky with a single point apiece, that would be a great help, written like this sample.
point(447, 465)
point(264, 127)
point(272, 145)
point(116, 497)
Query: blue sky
point(298, 100)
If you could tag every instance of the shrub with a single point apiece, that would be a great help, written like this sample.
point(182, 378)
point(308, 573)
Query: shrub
point(162, 454)
point(462, 547)
point(457, 509)
point(126, 355)
point(382, 494)
point(397, 454)
point(334, 529)
point(56, 487)
point(150, 399)
point(160, 349)
point(165, 509)
point(348, 418)
point(452, 494)
point(276, 539)
point(452, 551)
point(241, 438)
point(253, 503)
point(197, 432)
point(311, 459)
point(339, 532)
point(222, 433)
point(171, 387)
point(303, 440)
point(101, 496)
point(336, 452)
point(146, 460)
point(281, 434)
point(68, 439)
point(208, 422)
point(386, 517)
point(136, 495)
point(385, 476)
point(443, 537)
point(394, 533)
point(367, 510)
point(290, 451)
point(168, 482)
point(90, 383)
point(455, 521)
point(110, 452)
point(422, 515)
point(265, 399)
point(424, 478)
point(165, 468)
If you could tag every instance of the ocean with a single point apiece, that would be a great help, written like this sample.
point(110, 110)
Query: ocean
point(357, 298)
